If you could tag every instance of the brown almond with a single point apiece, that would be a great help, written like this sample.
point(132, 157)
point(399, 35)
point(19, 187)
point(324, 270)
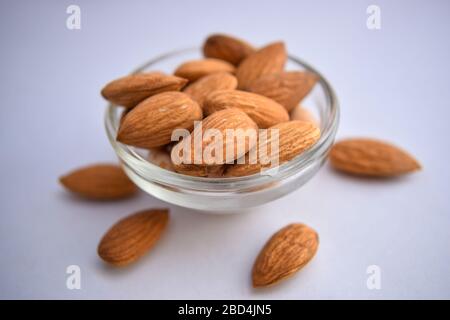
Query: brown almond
point(294, 138)
point(195, 69)
point(286, 88)
point(201, 88)
point(287, 251)
point(264, 111)
point(132, 237)
point(268, 60)
point(225, 47)
point(221, 121)
point(99, 182)
point(130, 90)
point(372, 158)
point(151, 123)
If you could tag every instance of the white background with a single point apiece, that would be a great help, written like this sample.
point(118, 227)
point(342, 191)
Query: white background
point(392, 84)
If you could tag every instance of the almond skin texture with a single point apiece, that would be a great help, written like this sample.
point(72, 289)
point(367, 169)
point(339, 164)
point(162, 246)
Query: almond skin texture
point(132, 237)
point(294, 138)
point(220, 121)
point(224, 47)
point(286, 88)
point(99, 182)
point(285, 253)
point(130, 90)
point(303, 114)
point(264, 111)
point(150, 123)
point(195, 69)
point(201, 88)
point(371, 158)
point(268, 60)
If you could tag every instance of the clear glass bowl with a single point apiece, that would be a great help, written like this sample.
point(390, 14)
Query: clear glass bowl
point(217, 195)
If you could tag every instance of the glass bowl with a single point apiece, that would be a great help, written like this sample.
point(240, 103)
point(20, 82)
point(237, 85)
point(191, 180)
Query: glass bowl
point(219, 195)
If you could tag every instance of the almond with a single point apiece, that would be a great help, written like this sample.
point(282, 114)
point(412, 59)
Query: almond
point(294, 138)
point(303, 114)
point(195, 69)
point(220, 121)
point(286, 88)
point(268, 60)
point(132, 237)
point(99, 182)
point(373, 158)
point(200, 89)
point(224, 47)
point(151, 122)
point(286, 252)
point(264, 111)
point(130, 90)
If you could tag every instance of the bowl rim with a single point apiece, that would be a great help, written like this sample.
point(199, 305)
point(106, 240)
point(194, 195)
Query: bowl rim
point(150, 171)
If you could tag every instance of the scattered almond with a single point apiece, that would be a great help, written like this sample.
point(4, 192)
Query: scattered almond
point(294, 138)
point(268, 60)
point(286, 88)
point(99, 182)
point(130, 90)
point(200, 89)
point(264, 111)
point(227, 48)
point(151, 123)
point(132, 237)
point(286, 252)
point(373, 158)
point(195, 69)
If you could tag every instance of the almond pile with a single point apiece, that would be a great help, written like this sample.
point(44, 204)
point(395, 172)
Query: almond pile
point(235, 86)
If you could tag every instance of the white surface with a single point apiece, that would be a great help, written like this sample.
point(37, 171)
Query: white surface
point(391, 83)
